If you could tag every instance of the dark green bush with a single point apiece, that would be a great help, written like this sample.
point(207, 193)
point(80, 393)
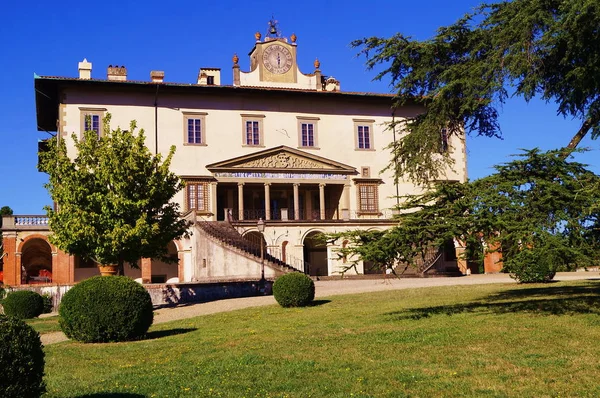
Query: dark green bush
point(21, 360)
point(531, 266)
point(294, 290)
point(23, 304)
point(106, 308)
point(48, 306)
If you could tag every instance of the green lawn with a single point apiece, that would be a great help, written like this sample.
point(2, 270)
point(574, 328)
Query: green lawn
point(489, 340)
point(44, 325)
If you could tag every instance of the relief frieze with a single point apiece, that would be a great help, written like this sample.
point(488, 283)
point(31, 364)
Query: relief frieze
point(282, 161)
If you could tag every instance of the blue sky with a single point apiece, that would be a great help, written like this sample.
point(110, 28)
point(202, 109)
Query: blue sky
point(50, 38)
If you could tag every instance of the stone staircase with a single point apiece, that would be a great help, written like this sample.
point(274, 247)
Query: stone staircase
point(224, 233)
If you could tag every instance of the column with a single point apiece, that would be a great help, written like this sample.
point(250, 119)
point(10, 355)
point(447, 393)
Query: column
point(17, 279)
point(240, 201)
point(322, 200)
point(267, 201)
point(296, 202)
point(10, 259)
point(346, 202)
point(213, 200)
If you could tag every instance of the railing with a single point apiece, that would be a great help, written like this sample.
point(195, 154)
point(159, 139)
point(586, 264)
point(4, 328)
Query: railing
point(313, 215)
point(252, 245)
point(31, 220)
point(24, 222)
point(278, 253)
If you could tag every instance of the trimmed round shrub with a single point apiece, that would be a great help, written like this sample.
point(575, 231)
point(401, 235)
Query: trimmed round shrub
point(106, 309)
point(48, 306)
point(294, 290)
point(21, 359)
point(23, 304)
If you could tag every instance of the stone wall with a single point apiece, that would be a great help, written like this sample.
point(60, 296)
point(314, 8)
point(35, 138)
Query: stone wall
point(164, 295)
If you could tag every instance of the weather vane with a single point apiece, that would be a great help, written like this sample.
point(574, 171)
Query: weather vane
point(273, 30)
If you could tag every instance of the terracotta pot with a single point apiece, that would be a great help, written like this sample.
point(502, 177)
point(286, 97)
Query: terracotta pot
point(108, 270)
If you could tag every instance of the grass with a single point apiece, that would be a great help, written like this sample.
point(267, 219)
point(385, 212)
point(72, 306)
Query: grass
point(44, 325)
point(484, 341)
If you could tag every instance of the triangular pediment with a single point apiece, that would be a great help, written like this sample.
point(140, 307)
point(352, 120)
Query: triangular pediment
point(282, 158)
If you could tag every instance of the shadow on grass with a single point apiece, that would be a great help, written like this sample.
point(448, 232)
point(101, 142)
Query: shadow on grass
point(111, 395)
point(157, 334)
point(316, 303)
point(547, 300)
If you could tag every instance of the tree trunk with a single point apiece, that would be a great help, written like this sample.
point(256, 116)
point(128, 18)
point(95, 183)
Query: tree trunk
point(585, 127)
point(121, 267)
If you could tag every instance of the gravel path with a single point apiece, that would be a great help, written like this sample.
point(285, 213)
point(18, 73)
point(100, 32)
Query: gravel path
point(325, 289)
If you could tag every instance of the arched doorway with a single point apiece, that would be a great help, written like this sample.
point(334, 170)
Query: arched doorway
point(256, 239)
point(36, 261)
point(166, 271)
point(315, 253)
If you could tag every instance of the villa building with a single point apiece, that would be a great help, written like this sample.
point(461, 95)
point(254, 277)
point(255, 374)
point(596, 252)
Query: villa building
point(287, 147)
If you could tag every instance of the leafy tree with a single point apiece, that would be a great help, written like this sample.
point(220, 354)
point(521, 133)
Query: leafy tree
point(427, 222)
point(112, 197)
point(538, 210)
point(527, 48)
point(538, 207)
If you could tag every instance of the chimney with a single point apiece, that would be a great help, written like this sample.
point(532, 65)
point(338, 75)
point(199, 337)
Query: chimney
point(209, 77)
point(157, 76)
point(118, 73)
point(85, 69)
point(332, 84)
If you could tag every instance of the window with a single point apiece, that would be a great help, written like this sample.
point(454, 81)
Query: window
point(363, 134)
point(364, 137)
point(210, 80)
point(252, 129)
point(443, 141)
point(194, 128)
point(368, 201)
point(197, 195)
point(91, 120)
point(307, 132)
point(252, 132)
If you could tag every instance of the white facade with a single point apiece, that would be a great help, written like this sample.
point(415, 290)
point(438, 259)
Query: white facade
point(279, 145)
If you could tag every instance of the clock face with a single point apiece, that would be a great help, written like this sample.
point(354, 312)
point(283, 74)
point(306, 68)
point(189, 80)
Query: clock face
point(277, 59)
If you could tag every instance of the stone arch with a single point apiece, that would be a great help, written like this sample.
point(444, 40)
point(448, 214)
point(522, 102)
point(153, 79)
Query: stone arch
point(167, 271)
point(255, 237)
point(36, 260)
point(315, 253)
point(284, 250)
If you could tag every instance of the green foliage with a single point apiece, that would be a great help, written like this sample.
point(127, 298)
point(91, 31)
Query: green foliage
point(113, 197)
point(537, 210)
point(48, 306)
point(21, 360)
point(23, 304)
point(538, 207)
point(464, 74)
point(106, 308)
point(294, 290)
point(426, 223)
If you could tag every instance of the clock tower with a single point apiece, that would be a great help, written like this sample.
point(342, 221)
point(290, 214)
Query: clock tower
point(274, 63)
